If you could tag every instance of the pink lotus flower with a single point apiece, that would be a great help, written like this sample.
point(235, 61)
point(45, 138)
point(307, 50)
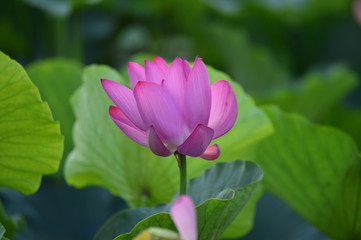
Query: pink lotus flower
point(173, 108)
point(184, 217)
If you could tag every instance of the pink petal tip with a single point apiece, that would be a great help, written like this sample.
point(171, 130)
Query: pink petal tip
point(211, 153)
point(184, 217)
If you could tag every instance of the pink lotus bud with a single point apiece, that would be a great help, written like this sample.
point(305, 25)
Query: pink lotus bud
point(173, 108)
point(184, 217)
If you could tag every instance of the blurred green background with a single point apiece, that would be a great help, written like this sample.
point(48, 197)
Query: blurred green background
point(271, 47)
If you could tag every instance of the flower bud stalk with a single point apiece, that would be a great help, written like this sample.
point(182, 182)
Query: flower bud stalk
point(182, 164)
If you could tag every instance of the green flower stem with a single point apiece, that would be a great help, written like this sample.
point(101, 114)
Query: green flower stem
point(182, 164)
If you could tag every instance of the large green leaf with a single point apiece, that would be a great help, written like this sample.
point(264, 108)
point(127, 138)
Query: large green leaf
point(219, 194)
point(346, 118)
point(104, 156)
point(318, 96)
point(316, 170)
point(244, 222)
point(57, 79)
point(31, 143)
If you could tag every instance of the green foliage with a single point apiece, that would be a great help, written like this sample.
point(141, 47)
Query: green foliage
point(316, 170)
point(296, 11)
point(10, 224)
point(31, 143)
point(262, 44)
point(318, 96)
point(219, 194)
point(315, 94)
point(2, 231)
point(60, 8)
point(57, 79)
point(252, 66)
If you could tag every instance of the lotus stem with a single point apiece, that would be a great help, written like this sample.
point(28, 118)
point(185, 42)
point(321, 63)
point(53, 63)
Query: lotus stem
point(182, 164)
